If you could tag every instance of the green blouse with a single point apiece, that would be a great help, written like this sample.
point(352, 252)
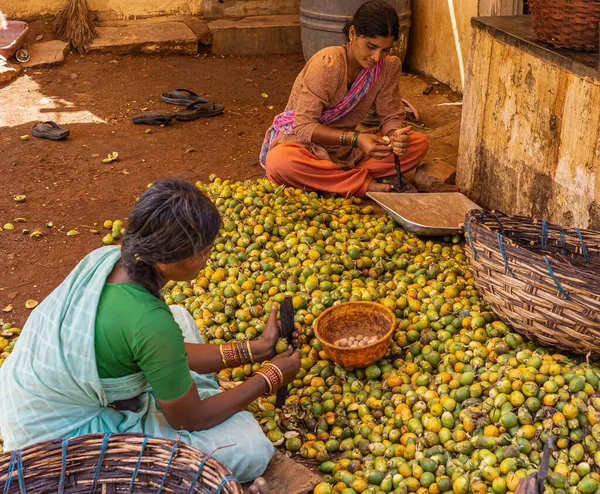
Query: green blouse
point(136, 332)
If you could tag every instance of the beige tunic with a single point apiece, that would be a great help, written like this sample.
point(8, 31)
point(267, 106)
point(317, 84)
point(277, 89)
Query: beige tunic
point(322, 84)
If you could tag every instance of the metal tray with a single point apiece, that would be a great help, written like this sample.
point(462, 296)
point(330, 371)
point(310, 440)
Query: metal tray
point(430, 214)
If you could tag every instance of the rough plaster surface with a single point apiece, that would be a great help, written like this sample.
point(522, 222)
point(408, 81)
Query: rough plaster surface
point(432, 48)
point(530, 136)
point(132, 8)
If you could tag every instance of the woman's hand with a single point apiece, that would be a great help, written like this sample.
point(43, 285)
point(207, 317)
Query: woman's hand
point(374, 146)
point(400, 140)
point(264, 347)
point(288, 363)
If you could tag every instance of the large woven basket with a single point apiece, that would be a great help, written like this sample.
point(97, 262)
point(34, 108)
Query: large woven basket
point(542, 279)
point(570, 24)
point(113, 463)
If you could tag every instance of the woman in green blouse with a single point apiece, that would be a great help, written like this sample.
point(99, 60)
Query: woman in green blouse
point(104, 353)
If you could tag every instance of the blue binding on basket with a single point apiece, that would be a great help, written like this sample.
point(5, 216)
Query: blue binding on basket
point(173, 451)
point(198, 473)
point(471, 238)
point(15, 460)
point(544, 234)
point(63, 468)
point(137, 466)
point(563, 251)
point(224, 481)
point(100, 460)
point(501, 247)
point(583, 246)
point(558, 285)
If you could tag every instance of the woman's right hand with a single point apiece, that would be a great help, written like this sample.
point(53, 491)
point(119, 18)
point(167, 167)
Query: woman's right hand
point(288, 363)
point(374, 146)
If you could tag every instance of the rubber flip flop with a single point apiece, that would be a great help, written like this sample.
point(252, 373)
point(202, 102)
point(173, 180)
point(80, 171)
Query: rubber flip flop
point(411, 112)
point(199, 110)
point(154, 118)
point(49, 130)
point(182, 97)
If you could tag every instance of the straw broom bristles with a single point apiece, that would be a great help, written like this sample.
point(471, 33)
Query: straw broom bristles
point(75, 24)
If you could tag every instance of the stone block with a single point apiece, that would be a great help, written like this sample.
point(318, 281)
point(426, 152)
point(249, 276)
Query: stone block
point(156, 37)
point(432, 176)
point(48, 53)
point(8, 72)
point(261, 35)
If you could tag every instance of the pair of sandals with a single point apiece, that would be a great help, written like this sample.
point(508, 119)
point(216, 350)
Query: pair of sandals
point(195, 107)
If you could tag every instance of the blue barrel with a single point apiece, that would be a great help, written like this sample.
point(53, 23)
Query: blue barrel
point(322, 23)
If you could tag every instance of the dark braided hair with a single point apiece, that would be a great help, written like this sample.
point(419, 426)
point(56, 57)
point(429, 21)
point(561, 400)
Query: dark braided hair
point(375, 18)
point(172, 221)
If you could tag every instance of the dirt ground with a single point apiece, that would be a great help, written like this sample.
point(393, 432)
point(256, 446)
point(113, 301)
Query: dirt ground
point(95, 96)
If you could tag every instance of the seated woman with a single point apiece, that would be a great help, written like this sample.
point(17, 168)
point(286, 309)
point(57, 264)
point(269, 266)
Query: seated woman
point(104, 339)
point(313, 144)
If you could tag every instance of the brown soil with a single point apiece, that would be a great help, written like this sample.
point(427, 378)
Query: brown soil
point(66, 182)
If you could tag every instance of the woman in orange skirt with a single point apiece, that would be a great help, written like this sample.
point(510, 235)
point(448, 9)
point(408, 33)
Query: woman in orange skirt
point(314, 144)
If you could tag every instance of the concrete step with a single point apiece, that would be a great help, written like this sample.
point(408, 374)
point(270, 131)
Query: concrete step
point(218, 9)
point(257, 35)
point(145, 37)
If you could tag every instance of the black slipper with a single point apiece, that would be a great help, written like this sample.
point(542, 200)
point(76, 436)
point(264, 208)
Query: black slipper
point(199, 110)
point(154, 118)
point(49, 130)
point(182, 97)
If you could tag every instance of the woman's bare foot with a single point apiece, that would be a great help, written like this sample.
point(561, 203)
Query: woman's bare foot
point(377, 187)
point(259, 486)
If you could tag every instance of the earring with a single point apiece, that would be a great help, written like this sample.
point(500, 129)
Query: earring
point(351, 40)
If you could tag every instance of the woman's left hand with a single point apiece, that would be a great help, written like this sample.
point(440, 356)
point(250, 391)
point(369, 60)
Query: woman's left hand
point(400, 140)
point(264, 348)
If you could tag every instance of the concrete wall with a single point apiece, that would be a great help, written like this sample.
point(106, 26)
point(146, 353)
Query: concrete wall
point(27, 9)
point(435, 49)
point(530, 136)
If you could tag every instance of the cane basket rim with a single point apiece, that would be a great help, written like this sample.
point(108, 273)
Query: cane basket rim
point(114, 463)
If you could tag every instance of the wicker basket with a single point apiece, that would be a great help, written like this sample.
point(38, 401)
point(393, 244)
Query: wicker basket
point(570, 24)
point(350, 319)
point(540, 278)
point(116, 463)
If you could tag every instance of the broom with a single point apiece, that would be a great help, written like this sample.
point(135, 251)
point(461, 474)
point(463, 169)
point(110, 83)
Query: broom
point(75, 24)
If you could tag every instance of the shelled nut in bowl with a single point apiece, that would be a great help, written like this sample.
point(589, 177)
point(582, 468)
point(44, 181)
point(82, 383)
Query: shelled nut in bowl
point(338, 327)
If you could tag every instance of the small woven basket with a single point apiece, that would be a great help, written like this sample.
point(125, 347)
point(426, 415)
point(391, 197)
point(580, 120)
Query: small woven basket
point(113, 463)
point(569, 24)
point(542, 279)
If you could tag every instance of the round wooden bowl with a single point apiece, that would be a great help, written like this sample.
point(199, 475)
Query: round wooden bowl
point(350, 319)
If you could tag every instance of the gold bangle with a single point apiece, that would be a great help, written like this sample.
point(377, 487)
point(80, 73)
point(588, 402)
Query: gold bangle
point(250, 352)
point(222, 356)
point(266, 379)
point(230, 354)
point(273, 373)
point(279, 373)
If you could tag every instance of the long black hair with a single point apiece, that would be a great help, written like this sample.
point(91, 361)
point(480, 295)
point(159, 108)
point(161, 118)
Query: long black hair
point(172, 221)
point(375, 18)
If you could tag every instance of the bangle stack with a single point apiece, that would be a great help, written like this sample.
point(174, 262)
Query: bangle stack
point(236, 353)
point(343, 138)
point(355, 138)
point(273, 375)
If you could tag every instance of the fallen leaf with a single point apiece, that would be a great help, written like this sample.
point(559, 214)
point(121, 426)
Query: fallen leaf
point(39, 37)
point(264, 95)
point(31, 304)
point(190, 150)
point(8, 308)
point(72, 233)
